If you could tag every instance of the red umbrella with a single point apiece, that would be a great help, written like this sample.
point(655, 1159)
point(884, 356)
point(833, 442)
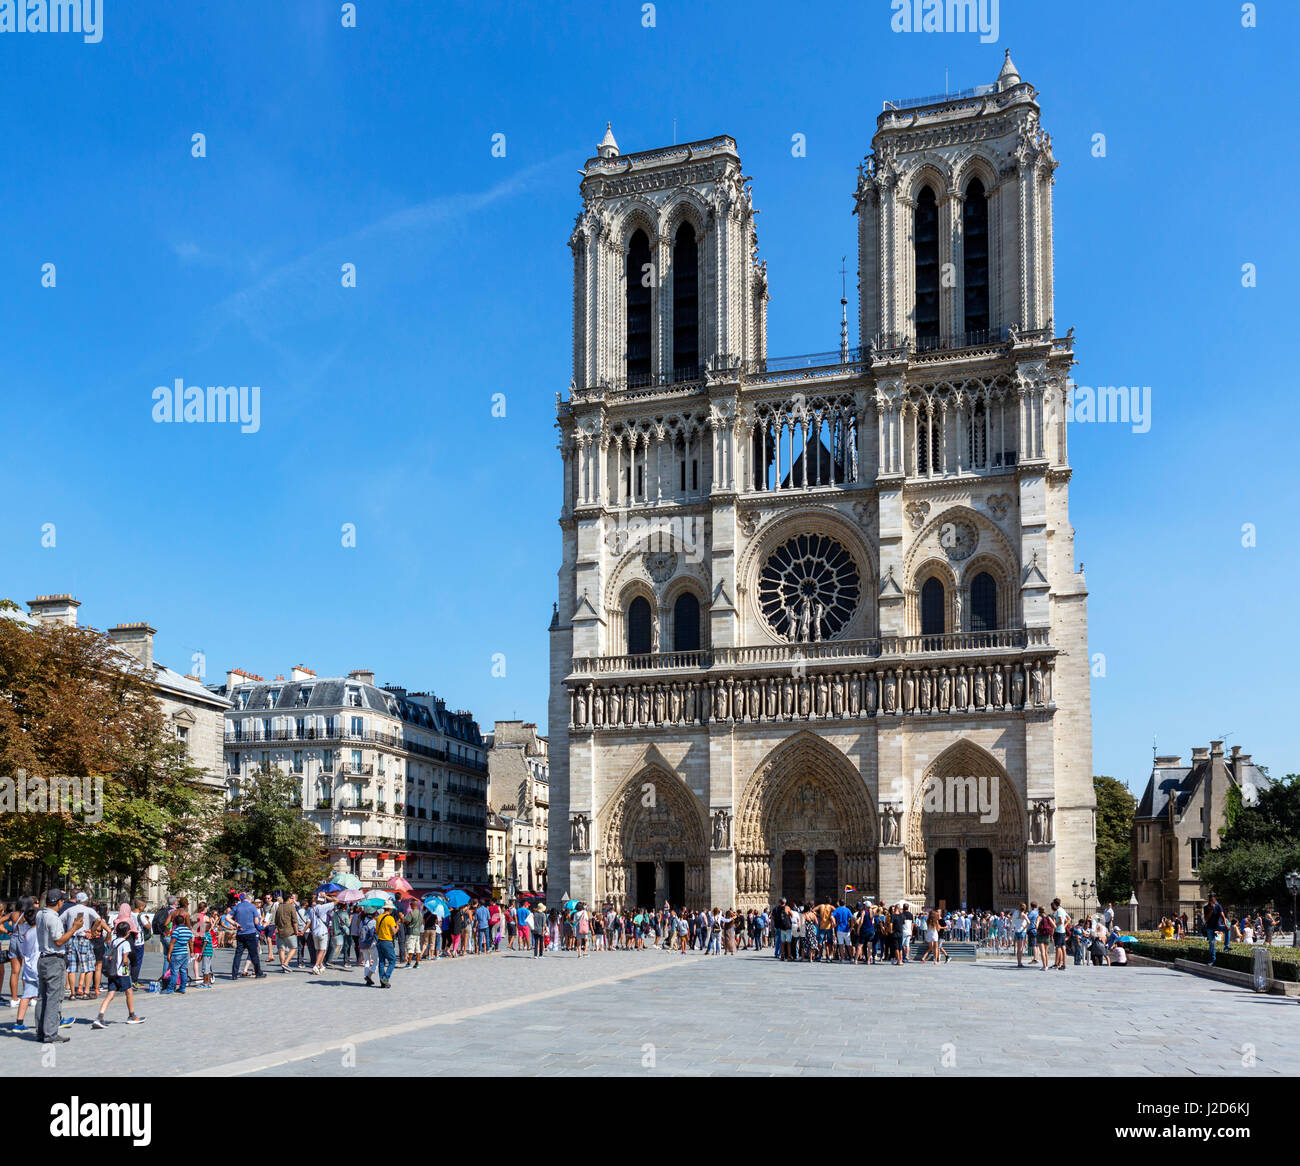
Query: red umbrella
point(397, 883)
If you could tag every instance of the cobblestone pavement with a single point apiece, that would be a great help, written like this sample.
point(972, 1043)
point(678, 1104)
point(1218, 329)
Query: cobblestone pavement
point(633, 1013)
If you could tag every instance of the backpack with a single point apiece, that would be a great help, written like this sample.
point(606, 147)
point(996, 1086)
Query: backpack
point(1045, 925)
point(160, 918)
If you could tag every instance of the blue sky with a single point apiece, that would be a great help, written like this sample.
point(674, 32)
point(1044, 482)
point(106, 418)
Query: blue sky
point(373, 146)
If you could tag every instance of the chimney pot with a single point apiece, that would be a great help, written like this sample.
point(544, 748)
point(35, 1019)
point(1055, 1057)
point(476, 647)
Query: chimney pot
point(137, 639)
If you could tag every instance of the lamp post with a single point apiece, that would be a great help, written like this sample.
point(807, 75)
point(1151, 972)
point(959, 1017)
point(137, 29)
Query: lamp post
point(1083, 888)
point(1133, 911)
point(1293, 885)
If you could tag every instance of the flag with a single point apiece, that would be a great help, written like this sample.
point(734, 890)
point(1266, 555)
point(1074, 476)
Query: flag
point(849, 888)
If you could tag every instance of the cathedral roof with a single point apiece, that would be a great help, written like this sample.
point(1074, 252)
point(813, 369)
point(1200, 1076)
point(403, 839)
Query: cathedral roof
point(1009, 75)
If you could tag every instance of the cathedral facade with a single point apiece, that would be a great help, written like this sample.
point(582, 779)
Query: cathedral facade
point(819, 624)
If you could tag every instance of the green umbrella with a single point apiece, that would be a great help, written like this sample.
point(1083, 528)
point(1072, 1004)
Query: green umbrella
point(349, 882)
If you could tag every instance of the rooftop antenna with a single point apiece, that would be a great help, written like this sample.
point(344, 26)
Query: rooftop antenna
point(674, 131)
point(945, 80)
point(844, 312)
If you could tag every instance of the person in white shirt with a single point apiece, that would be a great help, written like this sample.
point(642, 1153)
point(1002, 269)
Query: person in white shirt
point(81, 956)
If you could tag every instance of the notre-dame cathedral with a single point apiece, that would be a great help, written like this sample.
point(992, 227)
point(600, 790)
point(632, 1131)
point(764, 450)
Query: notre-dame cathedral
point(819, 622)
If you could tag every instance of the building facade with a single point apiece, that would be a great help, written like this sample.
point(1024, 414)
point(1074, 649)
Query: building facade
point(1179, 817)
point(394, 781)
point(519, 771)
point(819, 623)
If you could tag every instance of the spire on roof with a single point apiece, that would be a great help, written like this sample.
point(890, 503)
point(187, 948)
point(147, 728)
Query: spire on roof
point(608, 147)
point(1009, 75)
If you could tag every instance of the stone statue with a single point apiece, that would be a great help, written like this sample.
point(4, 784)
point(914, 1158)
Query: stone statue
point(642, 705)
point(997, 688)
point(675, 704)
point(963, 693)
point(659, 704)
point(582, 709)
point(891, 693)
point(1036, 683)
point(787, 697)
point(805, 620)
point(837, 695)
point(598, 708)
point(578, 834)
point(819, 613)
point(690, 704)
point(615, 705)
point(979, 689)
point(909, 692)
point(855, 695)
point(889, 826)
point(945, 691)
point(805, 699)
point(720, 706)
point(1017, 689)
point(791, 623)
point(721, 830)
point(1038, 824)
point(872, 694)
point(925, 691)
point(823, 692)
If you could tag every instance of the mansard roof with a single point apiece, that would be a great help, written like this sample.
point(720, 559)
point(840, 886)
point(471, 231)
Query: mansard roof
point(1178, 783)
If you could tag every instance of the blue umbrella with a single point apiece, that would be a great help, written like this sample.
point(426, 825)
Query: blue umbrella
point(570, 904)
point(328, 889)
point(457, 898)
point(437, 905)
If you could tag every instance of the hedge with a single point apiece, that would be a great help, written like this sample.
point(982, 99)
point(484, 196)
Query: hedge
point(1286, 960)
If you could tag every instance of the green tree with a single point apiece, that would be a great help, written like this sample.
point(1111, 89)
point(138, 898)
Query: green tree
point(266, 834)
point(1258, 848)
point(73, 706)
point(1115, 810)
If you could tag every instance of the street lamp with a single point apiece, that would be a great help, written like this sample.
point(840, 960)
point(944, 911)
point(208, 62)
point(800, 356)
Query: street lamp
point(1133, 911)
point(1293, 885)
point(1083, 888)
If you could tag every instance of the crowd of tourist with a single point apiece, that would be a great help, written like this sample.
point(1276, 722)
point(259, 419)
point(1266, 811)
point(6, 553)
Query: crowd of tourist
point(82, 950)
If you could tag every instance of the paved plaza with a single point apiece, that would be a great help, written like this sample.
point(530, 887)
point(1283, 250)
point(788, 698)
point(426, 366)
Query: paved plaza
point(632, 1013)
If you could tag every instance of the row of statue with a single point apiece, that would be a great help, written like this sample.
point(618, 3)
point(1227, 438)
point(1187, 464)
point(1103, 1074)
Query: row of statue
point(905, 691)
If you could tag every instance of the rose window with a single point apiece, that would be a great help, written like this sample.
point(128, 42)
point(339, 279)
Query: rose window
point(809, 588)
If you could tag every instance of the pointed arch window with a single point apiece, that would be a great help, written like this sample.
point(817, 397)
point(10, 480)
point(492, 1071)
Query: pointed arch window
point(975, 258)
point(640, 280)
point(932, 607)
point(926, 236)
point(686, 623)
point(638, 627)
point(686, 310)
point(983, 603)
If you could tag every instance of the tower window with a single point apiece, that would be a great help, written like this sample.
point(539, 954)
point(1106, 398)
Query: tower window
point(926, 233)
point(686, 320)
point(932, 607)
point(983, 603)
point(638, 627)
point(639, 283)
point(686, 623)
point(975, 243)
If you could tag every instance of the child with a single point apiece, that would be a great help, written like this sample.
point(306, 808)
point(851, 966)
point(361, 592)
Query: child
point(178, 952)
point(369, 948)
point(117, 975)
point(24, 945)
point(205, 957)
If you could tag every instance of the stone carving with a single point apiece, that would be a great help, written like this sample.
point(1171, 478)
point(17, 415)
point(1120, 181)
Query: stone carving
point(916, 513)
point(997, 688)
point(889, 826)
point(958, 540)
point(721, 830)
point(1041, 813)
point(660, 565)
point(578, 834)
point(998, 505)
point(748, 520)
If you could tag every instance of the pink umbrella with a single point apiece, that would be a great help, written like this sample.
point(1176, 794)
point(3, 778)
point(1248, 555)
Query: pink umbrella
point(398, 883)
point(349, 896)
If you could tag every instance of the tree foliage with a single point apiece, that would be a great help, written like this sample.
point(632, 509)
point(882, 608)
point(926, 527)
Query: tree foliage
point(1115, 810)
point(1259, 847)
point(73, 705)
point(265, 834)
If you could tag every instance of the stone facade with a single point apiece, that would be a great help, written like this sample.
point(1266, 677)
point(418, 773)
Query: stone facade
point(519, 791)
point(819, 623)
point(1179, 817)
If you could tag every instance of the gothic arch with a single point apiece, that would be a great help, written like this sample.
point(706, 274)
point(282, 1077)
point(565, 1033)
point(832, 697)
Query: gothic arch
point(932, 170)
point(672, 828)
point(974, 165)
point(932, 567)
point(960, 788)
point(926, 543)
point(1003, 575)
point(805, 797)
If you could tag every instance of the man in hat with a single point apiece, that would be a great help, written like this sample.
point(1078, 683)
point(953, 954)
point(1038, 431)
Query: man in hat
point(51, 966)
